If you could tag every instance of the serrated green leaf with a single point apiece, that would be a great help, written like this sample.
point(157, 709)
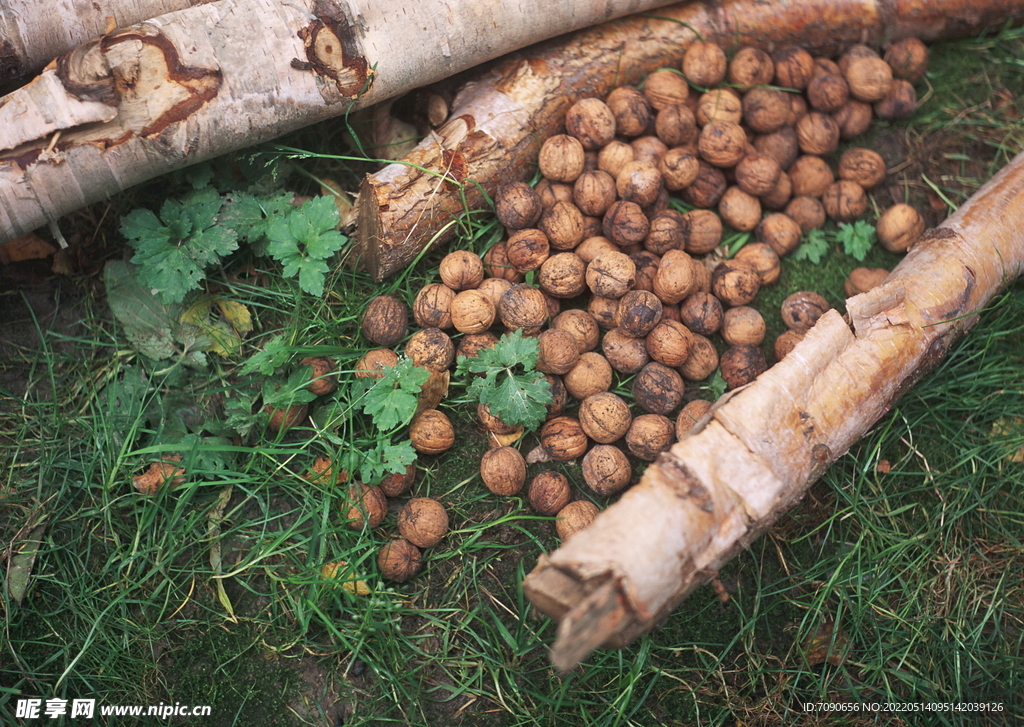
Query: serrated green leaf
point(511, 389)
point(519, 400)
point(250, 216)
point(383, 459)
point(814, 249)
point(148, 324)
point(311, 274)
point(857, 238)
point(392, 399)
point(275, 354)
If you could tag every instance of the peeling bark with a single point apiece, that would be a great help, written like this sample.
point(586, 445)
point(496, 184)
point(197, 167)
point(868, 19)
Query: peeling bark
point(33, 35)
point(500, 119)
point(761, 447)
point(189, 85)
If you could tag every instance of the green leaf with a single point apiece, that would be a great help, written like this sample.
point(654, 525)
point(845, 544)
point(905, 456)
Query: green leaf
point(275, 354)
point(857, 238)
point(303, 239)
point(250, 216)
point(148, 324)
point(510, 388)
point(392, 399)
point(293, 392)
point(384, 458)
point(23, 557)
point(814, 249)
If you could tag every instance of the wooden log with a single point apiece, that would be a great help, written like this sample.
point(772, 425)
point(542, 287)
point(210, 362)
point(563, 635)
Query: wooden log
point(761, 447)
point(498, 122)
point(30, 37)
point(189, 85)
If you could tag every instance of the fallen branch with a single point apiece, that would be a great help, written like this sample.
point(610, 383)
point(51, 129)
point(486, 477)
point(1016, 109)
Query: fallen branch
point(498, 122)
point(30, 38)
point(183, 87)
point(759, 450)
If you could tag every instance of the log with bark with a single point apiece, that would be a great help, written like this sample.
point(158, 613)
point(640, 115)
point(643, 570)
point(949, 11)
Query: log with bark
point(761, 447)
point(189, 85)
point(31, 37)
point(498, 122)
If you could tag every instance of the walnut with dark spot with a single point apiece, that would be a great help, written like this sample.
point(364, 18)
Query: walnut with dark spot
point(658, 389)
point(386, 320)
point(742, 364)
point(517, 205)
point(803, 309)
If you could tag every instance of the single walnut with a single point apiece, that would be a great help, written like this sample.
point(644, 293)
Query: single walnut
point(666, 233)
point(766, 110)
point(743, 325)
point(606, 469)
point(594, 192)
point(869, 78)
point(648, 149)
point(863, 166)
point(646, 268)
point(665, 88)
point(649, 435)
point(701, 231)
point(461, 270)
point(527, 249)
point(431, 348)
point(742, 364)
point(899, 228)
point(780, 194)
point(591, 121)
point(844, 201)
point(517, 205)
point(720, 104)
point(373, 363)
point(639, 311)
point(751, 67)
point(631, 110)
point(825, 65)
point(763, 258)
point(432, 307)
point(624, 353)
point(735, 282)
point(611, 274)
point(625, 223)
point(855, 52)
point(704, 64)
point(559, 351)
point(701, 313)
point(780, 232)
point(722, 143)
point(604, 310)
point(423, 521)
point(810, 176)
point(563, 225)
point(707, 188)
point(899, 103)
point(523, 306)
point(787, 341)
point(399, 560)
point(638, 182)
point(613, 156)
point(739, 210)
point(854, 118)
point(676, 277)
point(472, 343)
point(817, 133)
point(386, 320)
point(563, 275)
point(678, 168)
point(908, 59)
point(861, 280)
point(563, 439)
point(591, 375)
point(676, 126)
point(757, 174)
point(574, 517)
point(549, 492)
point(793, 67)
point(503, 471)
point(689, 415)
point(807, 212)
point(561, 158)
point(472, 312)
point(781, 145)
point(702, 361)
point(605, 417)
point(669, 343)
point(431, 432)
point(827, 92)
point(591, 247)
point(803, 309)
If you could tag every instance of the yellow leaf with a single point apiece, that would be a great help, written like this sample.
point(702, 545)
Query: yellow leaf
point(214, 517)
point(199, 312)
point(330, 572)
point(506, 440)
point(236, 314)
point(225, 341)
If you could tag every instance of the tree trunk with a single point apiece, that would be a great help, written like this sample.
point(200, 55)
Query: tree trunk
point(32, 36)
point(498, 122)
point(203, 81)
point(763, 446)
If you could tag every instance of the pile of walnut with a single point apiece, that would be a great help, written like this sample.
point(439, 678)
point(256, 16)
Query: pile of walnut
point(627, 286)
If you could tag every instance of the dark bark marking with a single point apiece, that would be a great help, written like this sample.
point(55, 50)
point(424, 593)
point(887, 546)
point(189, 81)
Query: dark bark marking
point(11, 65)
point(332, 50)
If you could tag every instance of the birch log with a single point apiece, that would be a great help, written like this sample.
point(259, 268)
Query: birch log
point(498, 122)
point(760, 449)
point(192, 84)
point(31, 36)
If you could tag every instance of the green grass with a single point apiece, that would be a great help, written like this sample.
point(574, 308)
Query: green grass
point(911, 581)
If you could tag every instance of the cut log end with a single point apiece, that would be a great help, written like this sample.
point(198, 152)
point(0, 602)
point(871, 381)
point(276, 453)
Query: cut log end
point(368, 252)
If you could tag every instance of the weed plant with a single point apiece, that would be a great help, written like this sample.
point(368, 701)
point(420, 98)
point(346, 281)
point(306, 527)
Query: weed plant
point(899, 579)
